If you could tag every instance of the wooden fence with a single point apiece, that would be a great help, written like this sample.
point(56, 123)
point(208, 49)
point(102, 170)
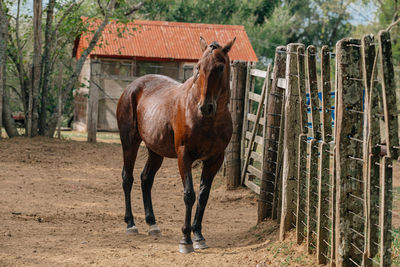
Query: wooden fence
point(319, 138)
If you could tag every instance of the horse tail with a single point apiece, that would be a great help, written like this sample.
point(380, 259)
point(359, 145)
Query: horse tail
point(127, 116)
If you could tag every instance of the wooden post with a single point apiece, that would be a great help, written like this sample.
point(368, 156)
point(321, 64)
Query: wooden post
point(388, 94)
point(302, 89)
point(392, 145)
point(312, 163)
point(313, 91)
point(245, 112)
point(325, 193)
point(273, 116)
point(349, 130)
point(277, 208)
point(326, 117)
point(386, 211)
point(332, 171)
point(370, 150)
point(301, 189)
point(93, 100)
point(323, 204)
point(280, 64)
point(290, 142)
point(236, 107)
point(302, 144)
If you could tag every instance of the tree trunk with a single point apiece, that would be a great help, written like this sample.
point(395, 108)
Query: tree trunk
point(36, 69)
point(5, 110)
point(52, 124)
point(46, 66)
point(3, 47)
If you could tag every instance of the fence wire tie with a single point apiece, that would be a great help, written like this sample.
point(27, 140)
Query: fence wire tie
point(356, 232)
point(358, 159)
point(355, 214)
point(356, 197)
point(355, 179)
point(354, 79)
point(355, 45)
point(355, 111)
point(355, 263)
point(329, 230)
point(301, 234)
point(355, 139)
point(326, 243)
point(357, 248)
point(388, 166)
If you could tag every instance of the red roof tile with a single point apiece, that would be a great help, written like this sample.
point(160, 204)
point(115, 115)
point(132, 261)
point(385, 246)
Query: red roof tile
point(166, 40)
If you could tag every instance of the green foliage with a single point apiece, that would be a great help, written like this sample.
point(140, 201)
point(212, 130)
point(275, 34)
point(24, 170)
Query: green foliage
point(268, 23)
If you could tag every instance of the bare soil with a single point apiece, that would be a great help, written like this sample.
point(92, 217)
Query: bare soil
point(62, 204)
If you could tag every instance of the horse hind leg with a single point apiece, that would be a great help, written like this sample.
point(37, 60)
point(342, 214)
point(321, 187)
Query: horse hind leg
point(130, 148)
point(153, 164)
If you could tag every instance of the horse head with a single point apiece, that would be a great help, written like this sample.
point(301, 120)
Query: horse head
point(212, 76)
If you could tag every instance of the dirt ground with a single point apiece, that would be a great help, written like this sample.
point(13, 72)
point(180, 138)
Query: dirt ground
point(62, 204)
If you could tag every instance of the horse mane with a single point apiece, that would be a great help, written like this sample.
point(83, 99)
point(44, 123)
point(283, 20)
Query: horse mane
point(214, 45)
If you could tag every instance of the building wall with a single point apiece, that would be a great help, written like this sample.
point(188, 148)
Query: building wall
point(116, 75)
point(80, 98)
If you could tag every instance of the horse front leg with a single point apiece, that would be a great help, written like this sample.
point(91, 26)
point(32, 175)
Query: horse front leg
point(210, 169)
point(189, 196)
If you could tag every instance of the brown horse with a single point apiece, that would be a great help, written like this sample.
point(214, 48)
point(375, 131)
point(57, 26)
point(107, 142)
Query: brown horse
point(189, 121)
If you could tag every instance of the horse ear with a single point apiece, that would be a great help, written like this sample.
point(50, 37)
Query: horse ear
point(203, 44)
point(228, 46)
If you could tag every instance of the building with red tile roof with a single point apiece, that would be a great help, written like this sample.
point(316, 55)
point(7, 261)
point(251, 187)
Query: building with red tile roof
point(128, 51)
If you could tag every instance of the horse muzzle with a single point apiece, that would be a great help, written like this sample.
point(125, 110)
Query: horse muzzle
point(208, 109)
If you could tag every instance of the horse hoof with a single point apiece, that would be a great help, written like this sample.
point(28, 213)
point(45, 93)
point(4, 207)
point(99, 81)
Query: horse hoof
point(132, 230)
point(154, 230)
point(186, 248)
point(200, 244)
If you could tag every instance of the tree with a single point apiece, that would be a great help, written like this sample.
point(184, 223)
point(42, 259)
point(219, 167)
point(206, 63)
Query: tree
point(3, 56)
point(63, 24)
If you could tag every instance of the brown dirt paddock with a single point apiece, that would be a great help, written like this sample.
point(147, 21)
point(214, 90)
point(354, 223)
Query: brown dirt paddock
point(62, 204)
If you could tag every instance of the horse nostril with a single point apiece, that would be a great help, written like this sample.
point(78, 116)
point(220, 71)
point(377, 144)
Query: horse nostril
point(207, 109)
point(210, 108)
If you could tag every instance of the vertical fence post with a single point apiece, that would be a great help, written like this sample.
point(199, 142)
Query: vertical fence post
point(385, 211)
point(280, 73)
point(236, 107)
point(302, 145)
point(290, 142)
point(388, 94)
point(324, 199)
point(245, 112)
point(93, 100)
point(273, 115)
point(349, 130)
point(370, 150)
point(392, 144)
point(312, 163)
point(332, 172)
